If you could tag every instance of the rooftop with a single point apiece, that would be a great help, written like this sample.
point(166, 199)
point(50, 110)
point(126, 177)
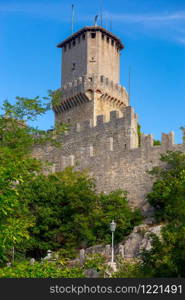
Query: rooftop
point(91, 28)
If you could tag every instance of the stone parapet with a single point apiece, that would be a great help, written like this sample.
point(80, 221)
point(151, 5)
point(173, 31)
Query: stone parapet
point(82, 89)
point(110, 153)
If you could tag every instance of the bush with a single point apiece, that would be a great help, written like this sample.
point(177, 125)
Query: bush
point(40, 270)
point(167, 256)
point(70, 214)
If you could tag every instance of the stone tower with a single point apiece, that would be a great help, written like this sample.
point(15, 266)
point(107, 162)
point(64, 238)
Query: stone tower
point(90, 77)
point(102, 137)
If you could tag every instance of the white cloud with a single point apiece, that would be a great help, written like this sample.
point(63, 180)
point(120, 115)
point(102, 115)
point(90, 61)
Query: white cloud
point(166, 25)
point(138, 18)
point(47, 10)
point(181, 40)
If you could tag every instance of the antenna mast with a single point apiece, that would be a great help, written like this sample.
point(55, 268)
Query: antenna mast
point(72, 19)
point(95, 20)
point(101, 13)
point(110, 25)
point(129, 83)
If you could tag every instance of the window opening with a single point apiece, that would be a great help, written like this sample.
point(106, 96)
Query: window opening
point(93, 35)
point(74, 66)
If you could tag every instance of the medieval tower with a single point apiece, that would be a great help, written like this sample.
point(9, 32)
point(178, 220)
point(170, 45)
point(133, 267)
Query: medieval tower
point(90, 79)
point(103, 137)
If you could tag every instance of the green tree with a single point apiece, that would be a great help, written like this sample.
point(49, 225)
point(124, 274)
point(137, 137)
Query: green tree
point(167, 256)
point(17, 139)
point(41, 270)
point(70, 214)
point(128, 269)
point(139, 133)
point(168, 192)
point(157, 143)
point(114, 206)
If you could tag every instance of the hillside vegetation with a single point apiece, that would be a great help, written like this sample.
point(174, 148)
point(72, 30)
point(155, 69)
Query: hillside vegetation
point(63, 212)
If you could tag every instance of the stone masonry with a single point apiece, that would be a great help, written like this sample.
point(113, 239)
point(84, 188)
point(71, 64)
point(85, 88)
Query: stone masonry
point(106, 151)
point(103, 136)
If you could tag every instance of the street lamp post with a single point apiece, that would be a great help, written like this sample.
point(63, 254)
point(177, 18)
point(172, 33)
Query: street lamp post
point(112, 228)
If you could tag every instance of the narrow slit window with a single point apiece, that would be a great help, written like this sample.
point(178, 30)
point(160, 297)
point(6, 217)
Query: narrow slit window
point(93, 35)
point(111, 143)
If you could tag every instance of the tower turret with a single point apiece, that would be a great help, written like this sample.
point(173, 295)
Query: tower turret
point(90, 76)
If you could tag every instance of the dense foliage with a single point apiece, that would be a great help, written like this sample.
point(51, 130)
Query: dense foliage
point(167, 257)
point(70, 214)
point(18, 166)
point(157, 143)
point(57, 268)
point(128, 269)
point(41, 270)
point(168, 193)
point(40, 212)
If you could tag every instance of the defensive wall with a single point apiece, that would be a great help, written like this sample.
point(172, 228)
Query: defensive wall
point(110, 153)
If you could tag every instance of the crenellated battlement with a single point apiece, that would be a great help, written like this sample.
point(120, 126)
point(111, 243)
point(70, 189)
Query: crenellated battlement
point(108, 152)
point(93, 82)
point(167, 140)
point(85, 88)
point(115, 121)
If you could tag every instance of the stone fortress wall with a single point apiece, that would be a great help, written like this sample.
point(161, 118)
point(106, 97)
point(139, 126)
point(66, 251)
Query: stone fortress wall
point(109, 151)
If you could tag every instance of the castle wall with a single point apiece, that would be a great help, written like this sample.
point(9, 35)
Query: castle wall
point(72, 115)
point(104, 151)
point(107, 151)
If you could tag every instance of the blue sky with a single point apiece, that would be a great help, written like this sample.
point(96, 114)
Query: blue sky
point(153, 32)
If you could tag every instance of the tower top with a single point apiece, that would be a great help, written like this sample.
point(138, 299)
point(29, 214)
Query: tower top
point(90, 76)
point(92, 29)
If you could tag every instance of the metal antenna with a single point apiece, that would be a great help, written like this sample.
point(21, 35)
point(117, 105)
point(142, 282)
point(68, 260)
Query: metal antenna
point(107, 22)
point(110, 25)
point(95, 20)
point(101, 13)
point(129, 84)
point(72, 19)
